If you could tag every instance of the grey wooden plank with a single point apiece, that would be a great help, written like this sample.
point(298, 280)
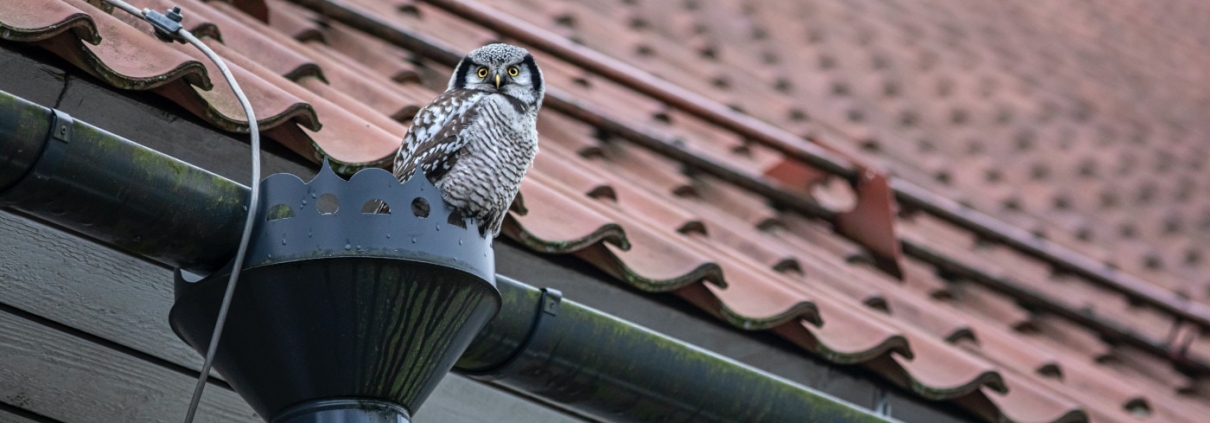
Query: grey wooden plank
point(13, 418)
point(26, 78)
point(71, 281)
point(461, 400)
point(7, 417)
point(68, 379)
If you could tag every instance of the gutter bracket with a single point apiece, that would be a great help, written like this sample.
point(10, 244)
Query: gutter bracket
point(61, 125)
point(548, 310)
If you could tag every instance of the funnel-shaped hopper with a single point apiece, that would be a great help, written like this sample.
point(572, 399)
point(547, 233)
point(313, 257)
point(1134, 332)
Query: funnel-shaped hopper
point(345, 310)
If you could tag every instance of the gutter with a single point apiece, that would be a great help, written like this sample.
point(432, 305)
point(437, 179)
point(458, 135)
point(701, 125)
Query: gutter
point(80, 177)
point(88, 181)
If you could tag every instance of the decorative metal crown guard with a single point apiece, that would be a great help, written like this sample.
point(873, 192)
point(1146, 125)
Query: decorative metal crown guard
point(332, 217)
point(341, 308)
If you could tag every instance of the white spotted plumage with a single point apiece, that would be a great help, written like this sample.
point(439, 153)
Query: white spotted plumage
point(476, 140)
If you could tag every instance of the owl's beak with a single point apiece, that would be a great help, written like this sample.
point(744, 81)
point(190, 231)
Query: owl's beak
point(497, 81)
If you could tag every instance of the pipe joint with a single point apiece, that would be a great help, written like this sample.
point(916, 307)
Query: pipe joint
point(43, 170)
point(537, 340)
point(24, 132)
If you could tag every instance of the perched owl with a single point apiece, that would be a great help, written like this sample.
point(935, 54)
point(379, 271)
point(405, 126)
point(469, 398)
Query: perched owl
point(477, 139)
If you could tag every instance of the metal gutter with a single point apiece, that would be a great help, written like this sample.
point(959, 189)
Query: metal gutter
point(84, 178)
point(905, 192)
point(616, 371)
point(177, 214)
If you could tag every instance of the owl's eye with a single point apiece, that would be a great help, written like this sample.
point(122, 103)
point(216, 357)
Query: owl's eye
point(513, 71)
point(482, 72)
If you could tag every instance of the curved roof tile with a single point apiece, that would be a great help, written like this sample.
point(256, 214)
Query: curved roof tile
point(54, 19)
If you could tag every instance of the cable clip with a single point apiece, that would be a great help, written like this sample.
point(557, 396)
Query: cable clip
point(167, 25)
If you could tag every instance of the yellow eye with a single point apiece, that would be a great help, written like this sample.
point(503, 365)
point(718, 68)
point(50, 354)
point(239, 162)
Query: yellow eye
point(513, 71)
point(483, 72)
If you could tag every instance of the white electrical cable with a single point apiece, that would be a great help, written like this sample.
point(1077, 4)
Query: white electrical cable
point(242, 251)
point(127, 7)
point(253, 202)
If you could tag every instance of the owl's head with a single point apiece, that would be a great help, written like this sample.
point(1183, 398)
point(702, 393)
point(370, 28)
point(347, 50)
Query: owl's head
point(503, 68)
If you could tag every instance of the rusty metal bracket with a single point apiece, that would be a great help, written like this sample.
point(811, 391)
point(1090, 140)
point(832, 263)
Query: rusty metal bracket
point(1180, 338)
point(871, 222)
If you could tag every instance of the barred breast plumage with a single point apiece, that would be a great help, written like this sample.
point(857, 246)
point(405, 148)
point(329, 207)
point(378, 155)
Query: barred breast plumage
point(476, 140)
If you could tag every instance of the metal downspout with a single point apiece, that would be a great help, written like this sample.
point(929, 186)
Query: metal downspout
point(139, 200)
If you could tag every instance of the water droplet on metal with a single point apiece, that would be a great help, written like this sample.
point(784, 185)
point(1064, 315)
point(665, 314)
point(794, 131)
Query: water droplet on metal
point(312, 194)
point(413, 240)
point(283, 240)
point(459, 241)
point(439, 227)
point(388, 236)
point(348, 247)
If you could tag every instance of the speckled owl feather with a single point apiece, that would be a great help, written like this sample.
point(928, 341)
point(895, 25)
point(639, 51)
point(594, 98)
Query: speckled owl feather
point(476, 140)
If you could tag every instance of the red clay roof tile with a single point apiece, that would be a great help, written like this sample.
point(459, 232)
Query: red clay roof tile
point(1027, 402)
point(52, 19)
point(375, 54)
point(219, 106)
point(125, 57)
point(347, 139)
point(566, 225)
point(254, 44)
point(296, 22)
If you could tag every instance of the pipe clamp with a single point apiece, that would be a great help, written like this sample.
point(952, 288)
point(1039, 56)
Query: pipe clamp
point(548, 310)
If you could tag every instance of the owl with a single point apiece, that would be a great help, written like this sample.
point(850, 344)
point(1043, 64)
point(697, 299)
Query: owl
point(476, 140)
